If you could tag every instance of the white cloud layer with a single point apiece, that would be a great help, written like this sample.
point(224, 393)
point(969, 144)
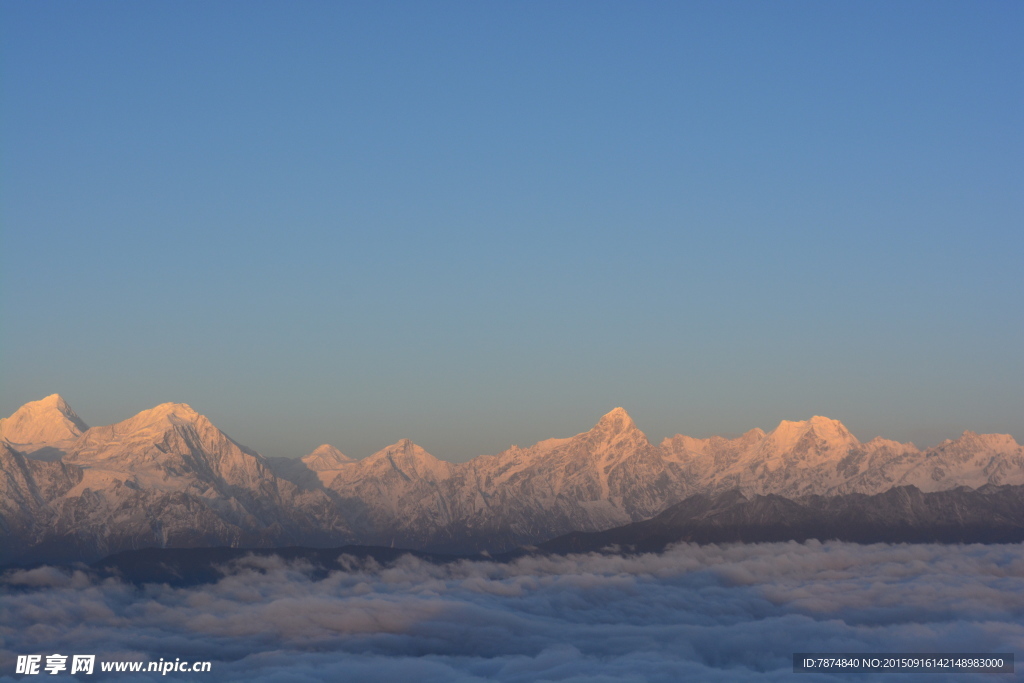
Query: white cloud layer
point(711, 613)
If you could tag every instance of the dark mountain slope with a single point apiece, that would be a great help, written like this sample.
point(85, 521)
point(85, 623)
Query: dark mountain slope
point(990, 514)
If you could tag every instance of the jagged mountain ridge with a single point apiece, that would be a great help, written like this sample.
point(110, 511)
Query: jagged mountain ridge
point(611, 475)
point(168, 476)
point(165, 477)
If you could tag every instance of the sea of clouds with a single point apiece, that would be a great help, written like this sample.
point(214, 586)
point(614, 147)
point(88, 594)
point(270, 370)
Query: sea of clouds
point(702, 613)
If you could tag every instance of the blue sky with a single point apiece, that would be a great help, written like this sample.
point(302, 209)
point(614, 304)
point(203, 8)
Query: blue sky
point(477, 224)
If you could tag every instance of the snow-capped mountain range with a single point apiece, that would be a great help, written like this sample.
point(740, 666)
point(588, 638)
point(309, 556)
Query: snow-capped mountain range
point(169, 477)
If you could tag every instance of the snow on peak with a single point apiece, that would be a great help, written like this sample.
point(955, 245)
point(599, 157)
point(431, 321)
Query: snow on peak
point(53, 401)
point(168, 447)
point(684, 443)
point(149, 424)
point(786, 436)
point(410, 460)
point(831, 430)
point(48, 420)
point(326, 457)
point(183, 410)
point(407, 449)
point(996, 442)
point(755, 434)
point(162, 413)
point(880, 442)
point(616, 421)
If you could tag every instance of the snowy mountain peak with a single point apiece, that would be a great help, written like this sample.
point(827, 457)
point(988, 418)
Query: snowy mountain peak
point(168, 448)
point(406, 448)
point(326, 457)
point(973, 440)
point(182, 410)
point(880, 442)
point(410, 460)
point(755, 434)
point(831, 430)
point(46, 421)
point(616, 421)
point(159, 416)
point(55, 401)
point(788, 434)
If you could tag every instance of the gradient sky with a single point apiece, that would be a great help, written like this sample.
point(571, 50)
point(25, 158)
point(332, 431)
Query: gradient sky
point(478, 224)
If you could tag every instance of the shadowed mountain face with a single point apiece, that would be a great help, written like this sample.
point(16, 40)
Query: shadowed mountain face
point(168, 477)
point(991, 514)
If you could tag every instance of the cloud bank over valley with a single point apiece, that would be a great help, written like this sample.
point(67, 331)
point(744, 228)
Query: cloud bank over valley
point(713, 613)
